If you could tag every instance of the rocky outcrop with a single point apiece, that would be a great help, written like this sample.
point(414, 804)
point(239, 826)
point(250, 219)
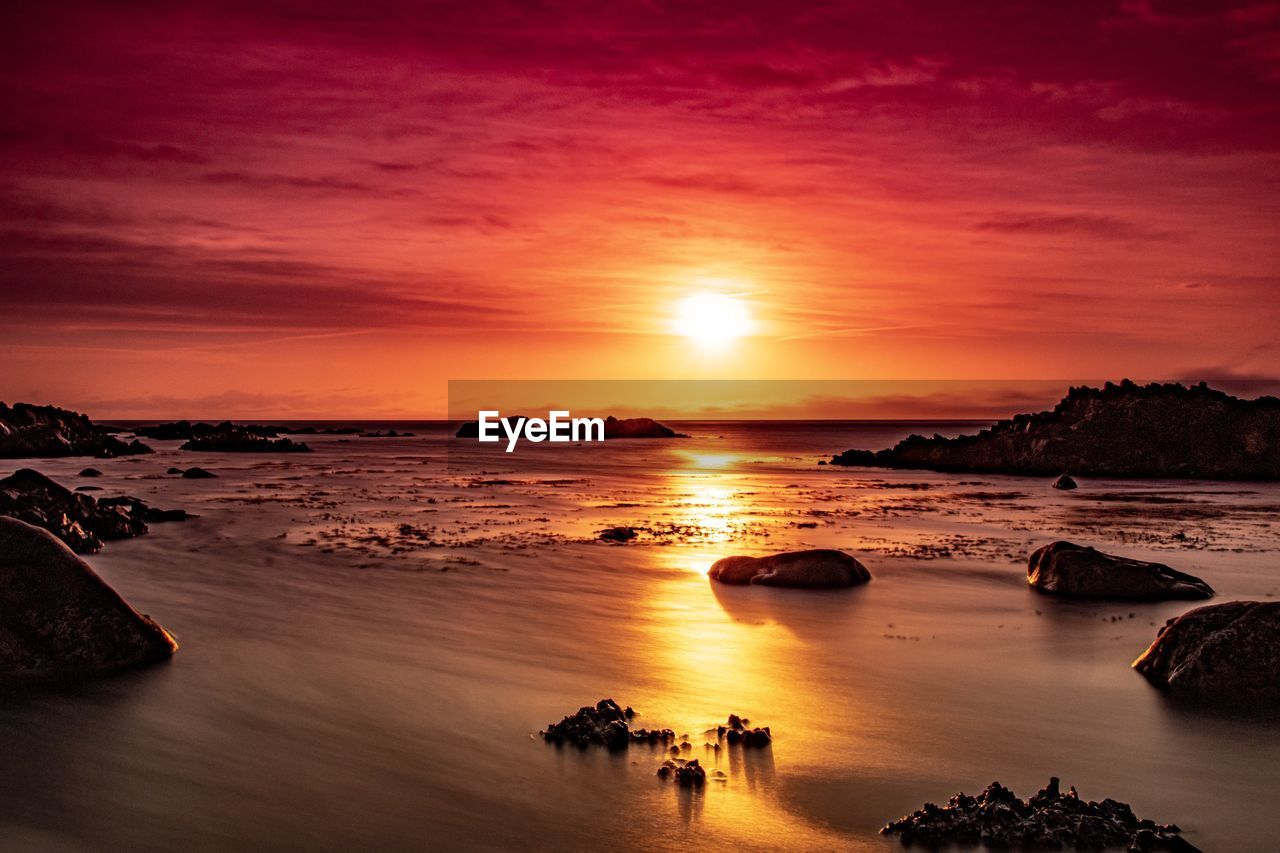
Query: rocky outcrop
point(1065, 482)
point(28, 431)
point(1050, 820)
point(58, 618)
point(1064, 568)
point(738, 731)
point(1223, 654)
point(198, 473)
point(687, 774)
point(605, 725)
point(618, 534)
point(226, 437)
point(1121, 430)
point(816, 569)
point(79, 520)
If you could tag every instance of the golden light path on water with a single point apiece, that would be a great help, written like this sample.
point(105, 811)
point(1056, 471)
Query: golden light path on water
point(730, 656)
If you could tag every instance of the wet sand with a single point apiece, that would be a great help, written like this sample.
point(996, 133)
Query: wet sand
point(373, 634)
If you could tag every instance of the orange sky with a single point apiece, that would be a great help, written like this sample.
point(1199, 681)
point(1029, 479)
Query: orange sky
point(256, 211)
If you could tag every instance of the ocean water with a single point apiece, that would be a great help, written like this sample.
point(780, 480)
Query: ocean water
point(373, 634)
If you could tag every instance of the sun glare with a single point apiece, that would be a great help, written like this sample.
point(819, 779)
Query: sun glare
point(712, 319)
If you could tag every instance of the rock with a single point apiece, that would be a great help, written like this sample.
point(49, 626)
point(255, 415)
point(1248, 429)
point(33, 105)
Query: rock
point(173, 470)
point(1219, 654)
point(817, 569)
point(1050, 820)
point(229, 438)
point(77, 519)
point(198, 474)
point(737, 732)
point(689, 774)
point(606, 725)
point(58, 618)
point(1064, 568)
point(1065, 483)
point(388, 434)
point(618, 534)
point(90, 472)
point(1116, 431)
point(44, 431)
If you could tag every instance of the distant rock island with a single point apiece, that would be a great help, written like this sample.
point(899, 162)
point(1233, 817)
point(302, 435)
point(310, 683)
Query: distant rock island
point(225, 437)
point(28, 431)
point(1124, 430)
point(613, 428)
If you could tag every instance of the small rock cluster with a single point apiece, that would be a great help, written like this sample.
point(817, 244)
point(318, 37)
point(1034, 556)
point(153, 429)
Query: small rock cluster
point(737, 731)
point(688, 774)
point(1050, 820)
point(77, 519)
point(606, 724)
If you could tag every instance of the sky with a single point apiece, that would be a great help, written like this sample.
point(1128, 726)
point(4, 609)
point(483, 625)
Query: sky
point(286, 209)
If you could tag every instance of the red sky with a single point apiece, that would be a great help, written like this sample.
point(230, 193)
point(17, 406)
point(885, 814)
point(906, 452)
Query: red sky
point(330, 209)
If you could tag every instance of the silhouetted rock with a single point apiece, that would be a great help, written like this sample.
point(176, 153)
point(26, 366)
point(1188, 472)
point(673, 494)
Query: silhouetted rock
point(738, 732)
point(816, 569)
point(1065, 482)
point(606, 725)
point(198, 473)
point(618, 534)
point(90, 472)
point(388, 434)
point(688, 774)
point(175, 471)
point(1222, 654)
point(1050, 820)
point(227, 437)
point(58, 618)
point(1064, 568)
point(41, 431)
point(1117, 431)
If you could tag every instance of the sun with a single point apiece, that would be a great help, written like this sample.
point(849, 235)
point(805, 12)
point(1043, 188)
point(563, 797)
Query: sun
point(712, 319)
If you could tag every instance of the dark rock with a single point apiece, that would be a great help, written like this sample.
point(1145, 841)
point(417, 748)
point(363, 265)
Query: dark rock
point(1065, 483)
point(1064, 568)
point(1117, 431)
point(618, 534)
point(689, 774)
point(816, 569)
point(198, 474)
point(175, 471)
point(604, 725)
point(77, 519)
point(737, 732)
point(230, 438)
point(1050, 820)
point(90, 472)
point(152, 515)
point(43, 431)
point(1220, 654)
point(58, 618)
point(388, 434)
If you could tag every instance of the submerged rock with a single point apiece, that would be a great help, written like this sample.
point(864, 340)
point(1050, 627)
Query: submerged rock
point(1116, 431)
point(41, 431)
point(1218, 654)
point(618, 534)
point(1064, 568)
point(816, 569)
point(58, 618)
point(198, 473)
point(1050, 820)
point(1065, 482)
point(90, 472)
point(689, 774)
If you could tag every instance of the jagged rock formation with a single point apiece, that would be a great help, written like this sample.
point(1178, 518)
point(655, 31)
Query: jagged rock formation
point(79, 520)
point(1064, 568)
point(58, 618)
point(815, 569)
point(28, 431)
point(1222, 654)
point(1050, 820)
point(1121, 430)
